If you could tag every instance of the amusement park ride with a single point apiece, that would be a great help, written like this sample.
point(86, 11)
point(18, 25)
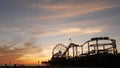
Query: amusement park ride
point(93, 46)
point(98, 51)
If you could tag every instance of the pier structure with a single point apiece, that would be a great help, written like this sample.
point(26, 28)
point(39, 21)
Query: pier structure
point(91, 47)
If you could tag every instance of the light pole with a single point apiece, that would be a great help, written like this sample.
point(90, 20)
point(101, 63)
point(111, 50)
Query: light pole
point(38, 63)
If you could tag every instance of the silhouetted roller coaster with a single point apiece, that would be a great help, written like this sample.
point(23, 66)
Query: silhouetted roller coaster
point(77, 54)
point(93, 47)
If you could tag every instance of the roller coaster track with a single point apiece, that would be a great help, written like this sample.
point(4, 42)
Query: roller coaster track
point(95, 46)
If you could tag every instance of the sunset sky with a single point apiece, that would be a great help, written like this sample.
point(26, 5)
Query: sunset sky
point(29, 29)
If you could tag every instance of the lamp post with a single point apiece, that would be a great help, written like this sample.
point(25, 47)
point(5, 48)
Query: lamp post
point(38, 63)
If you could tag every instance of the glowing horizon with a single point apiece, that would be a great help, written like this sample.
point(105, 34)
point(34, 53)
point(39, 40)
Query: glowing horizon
point(29, 29)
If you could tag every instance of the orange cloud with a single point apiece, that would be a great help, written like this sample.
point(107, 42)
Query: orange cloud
point(9, 52)
point(72, 28)
point(71, 31)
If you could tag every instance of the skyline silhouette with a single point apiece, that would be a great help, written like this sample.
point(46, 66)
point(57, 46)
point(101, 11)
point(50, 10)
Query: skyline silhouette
point(29, 29)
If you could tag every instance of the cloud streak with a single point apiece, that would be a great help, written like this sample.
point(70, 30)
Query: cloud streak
point(71, 31)
point(50, 22)
point(12, 53)
point(70, 11)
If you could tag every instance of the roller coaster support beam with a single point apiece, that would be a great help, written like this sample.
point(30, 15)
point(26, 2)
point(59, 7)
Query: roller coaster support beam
point(97, 45)
point(73, 52)
point(76, 51)
point(82, 50)
point(88, 48)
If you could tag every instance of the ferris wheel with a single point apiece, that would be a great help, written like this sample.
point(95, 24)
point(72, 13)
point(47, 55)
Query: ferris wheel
point(58, 50)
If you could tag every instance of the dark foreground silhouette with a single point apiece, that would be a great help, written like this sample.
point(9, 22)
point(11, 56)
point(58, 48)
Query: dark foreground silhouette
point(104, 59)
point(50, 67)
point(100, 51)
